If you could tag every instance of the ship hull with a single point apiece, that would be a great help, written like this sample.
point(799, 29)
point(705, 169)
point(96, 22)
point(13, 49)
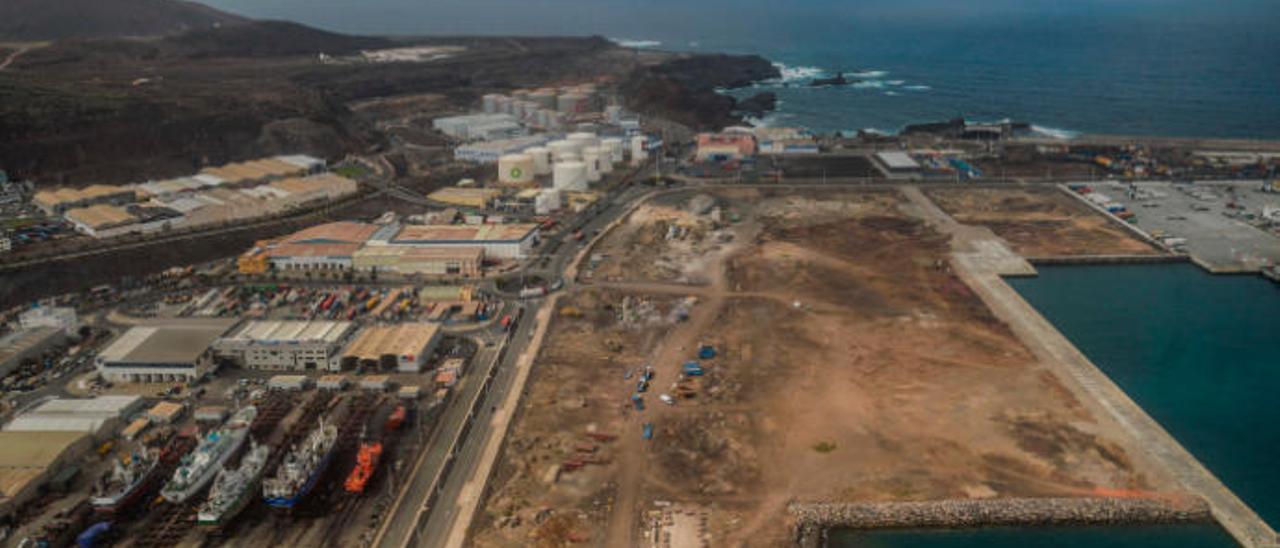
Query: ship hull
point(242, 501)
point(126, 499)
point(206, 475)
point(290, 502)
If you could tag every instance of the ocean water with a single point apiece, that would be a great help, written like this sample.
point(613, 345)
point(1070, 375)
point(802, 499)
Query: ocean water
point(1200, 353)
point(1150, 67)
point(1161, 536)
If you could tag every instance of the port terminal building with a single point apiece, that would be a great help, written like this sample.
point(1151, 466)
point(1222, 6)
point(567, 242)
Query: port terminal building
point(175, 350)
point(406, 345)
point(286, 345)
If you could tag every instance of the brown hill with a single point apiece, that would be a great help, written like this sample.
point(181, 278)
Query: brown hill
point(30, 20)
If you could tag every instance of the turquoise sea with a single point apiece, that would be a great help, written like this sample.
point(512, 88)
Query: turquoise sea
point(1162, 536)
point(1200, 353)
point(1156, 67)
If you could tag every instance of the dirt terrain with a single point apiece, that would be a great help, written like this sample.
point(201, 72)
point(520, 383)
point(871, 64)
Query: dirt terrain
point(1039, 222)
point(576, 391)
point(852, 366)
point(663, 241)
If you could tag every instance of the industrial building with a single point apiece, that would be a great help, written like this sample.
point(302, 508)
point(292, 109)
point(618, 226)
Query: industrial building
point(61, 317)
point(30, 459)
point(513, 241)
point(109, 221)
point(479, 127)
point(27, 343)
point(94, 416)
point(407, 344)
point(460, 261)
point(726, 146)
point(488, 152)
point(328, 246)
point(58, 201)
point(169, 351)
point(897, 163)
point(285, 345)
point(263, 170)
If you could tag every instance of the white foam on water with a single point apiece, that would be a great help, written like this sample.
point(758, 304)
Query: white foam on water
point(872, 73)
point(892, 93)
point(896, 82)
point(635, 44)
point(1055, 133)
point(790, 74)
point(868, 84)
point(917, 87)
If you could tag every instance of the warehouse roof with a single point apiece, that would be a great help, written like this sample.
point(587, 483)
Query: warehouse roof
point(313, 250)
point(339, 232)
point(405, 340)
point(85, 415)
point(287, 331)
point(464, 196)
point(408, 253)
point(27, 455)
point(897, 160)
point(465, 233)
point(19, 342)
point(100, 216)
point(174, 342)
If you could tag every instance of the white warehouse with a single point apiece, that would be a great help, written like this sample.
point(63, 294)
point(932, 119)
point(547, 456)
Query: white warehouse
point(285, 345)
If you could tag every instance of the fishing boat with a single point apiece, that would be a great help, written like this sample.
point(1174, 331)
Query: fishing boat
point(366, 464)
point(233, 488)
point(199, 467)
point(301, 469)
point(125, 483)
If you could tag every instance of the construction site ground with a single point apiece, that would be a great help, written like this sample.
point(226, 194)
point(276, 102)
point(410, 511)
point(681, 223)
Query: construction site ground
point(853, 365)
point(1039, 221)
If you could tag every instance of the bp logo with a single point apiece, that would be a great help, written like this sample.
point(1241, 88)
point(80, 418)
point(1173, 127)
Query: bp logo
point(516, 173)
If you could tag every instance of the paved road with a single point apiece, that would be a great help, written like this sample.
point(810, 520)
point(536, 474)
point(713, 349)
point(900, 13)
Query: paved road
point(434, 523)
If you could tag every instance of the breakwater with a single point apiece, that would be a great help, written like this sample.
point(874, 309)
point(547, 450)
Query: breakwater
point(815, 520)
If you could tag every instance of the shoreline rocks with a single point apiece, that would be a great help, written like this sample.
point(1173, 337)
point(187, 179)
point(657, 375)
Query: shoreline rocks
point(815, 520)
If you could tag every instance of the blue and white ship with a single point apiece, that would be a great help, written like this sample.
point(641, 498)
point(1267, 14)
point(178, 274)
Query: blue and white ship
point(200, 466)
point(301, 469)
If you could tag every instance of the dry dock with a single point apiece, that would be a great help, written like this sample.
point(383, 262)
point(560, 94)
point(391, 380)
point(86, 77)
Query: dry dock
point(981, 264)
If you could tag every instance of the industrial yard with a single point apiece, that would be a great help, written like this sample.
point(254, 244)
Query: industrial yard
point(841, 297)
point(1040, 222)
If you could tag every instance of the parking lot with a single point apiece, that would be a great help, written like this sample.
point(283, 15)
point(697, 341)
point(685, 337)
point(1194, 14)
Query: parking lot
point(1220, 224)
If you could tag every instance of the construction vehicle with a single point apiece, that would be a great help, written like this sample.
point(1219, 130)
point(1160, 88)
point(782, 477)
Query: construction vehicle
point(706, 352)
point(637, 401)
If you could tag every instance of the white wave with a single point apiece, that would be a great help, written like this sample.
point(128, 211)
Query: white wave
point(790, 74)
point(695, 44)
point(635, 44)
point(896, 82)
point(868, 84)
point(873, 73)
point(892, 93)
point(917, 87)
point(1055, 132)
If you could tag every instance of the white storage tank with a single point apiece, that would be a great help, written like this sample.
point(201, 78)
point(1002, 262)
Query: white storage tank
point(606, 160)
point(583, 139)
point(591, 158)
point(639, 152)
point(541, 160)
point(546, 202)
point(614, 146)
point(515, 169)
point(569, 176)
point(502, 104)
point(490, 102)
point(562, 148)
